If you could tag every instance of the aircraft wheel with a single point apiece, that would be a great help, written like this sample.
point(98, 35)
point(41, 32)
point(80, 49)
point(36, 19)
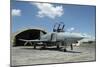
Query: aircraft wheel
point(34, 47)
point(44, 46)
point(58, 47)
point(65, 50)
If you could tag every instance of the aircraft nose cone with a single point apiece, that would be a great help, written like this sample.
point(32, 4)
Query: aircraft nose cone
point(80, 37)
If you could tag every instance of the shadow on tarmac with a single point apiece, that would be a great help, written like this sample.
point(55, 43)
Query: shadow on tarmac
point(52, 49)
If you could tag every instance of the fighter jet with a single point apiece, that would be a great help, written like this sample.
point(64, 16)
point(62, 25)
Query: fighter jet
point(58, 37)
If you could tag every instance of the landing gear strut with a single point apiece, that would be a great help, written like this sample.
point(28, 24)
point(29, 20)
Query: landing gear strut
point(65, 45)
point(44, 46)
point(34, 46)
point(71, 47)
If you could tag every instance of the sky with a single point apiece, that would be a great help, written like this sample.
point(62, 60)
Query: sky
point(77, 18)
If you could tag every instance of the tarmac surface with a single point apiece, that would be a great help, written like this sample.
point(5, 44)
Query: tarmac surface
point(26, 55)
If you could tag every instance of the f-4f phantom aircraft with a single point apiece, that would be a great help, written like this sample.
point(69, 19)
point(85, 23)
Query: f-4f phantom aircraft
point(58, 37)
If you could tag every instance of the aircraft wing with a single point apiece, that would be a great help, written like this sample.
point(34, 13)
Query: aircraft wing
point(33, 41)
point(36, 41)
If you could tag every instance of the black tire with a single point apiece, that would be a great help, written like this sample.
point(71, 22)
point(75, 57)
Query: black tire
point(34, 46)
point(58, 47)
point(65, 50)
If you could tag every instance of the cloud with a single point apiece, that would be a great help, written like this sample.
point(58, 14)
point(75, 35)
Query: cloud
point(16, 12)
point(48, 10)
point(71, 29)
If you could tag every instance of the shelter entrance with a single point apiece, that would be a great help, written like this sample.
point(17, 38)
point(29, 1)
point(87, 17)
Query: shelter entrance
point(30, 34)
